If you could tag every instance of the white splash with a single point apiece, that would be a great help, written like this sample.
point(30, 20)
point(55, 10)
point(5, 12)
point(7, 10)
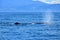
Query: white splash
point(48, 17)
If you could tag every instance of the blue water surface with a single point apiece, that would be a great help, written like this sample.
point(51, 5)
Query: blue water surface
point(45, 31)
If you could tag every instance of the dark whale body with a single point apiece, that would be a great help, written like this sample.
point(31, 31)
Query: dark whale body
point(17, 23)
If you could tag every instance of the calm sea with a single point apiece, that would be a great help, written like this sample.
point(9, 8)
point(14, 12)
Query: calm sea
point(32, 26)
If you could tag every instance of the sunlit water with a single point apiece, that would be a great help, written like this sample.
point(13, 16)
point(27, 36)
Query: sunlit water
point(49, 30)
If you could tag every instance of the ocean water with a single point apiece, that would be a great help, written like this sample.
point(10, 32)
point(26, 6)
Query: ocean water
point(33, 26)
